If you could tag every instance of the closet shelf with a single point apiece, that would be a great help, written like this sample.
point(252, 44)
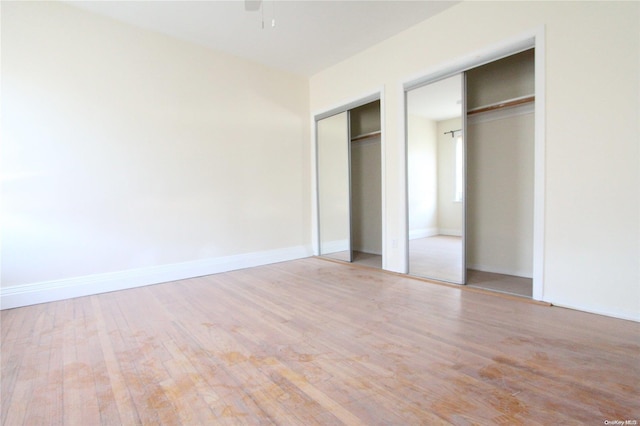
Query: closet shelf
point(366, 136)
point(502, 104)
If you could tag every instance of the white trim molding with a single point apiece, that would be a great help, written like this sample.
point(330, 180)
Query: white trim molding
point(50, 291)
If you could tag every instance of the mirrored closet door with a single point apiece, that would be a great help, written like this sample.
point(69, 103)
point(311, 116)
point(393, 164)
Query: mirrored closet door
point(334, 219)
point(436, 180)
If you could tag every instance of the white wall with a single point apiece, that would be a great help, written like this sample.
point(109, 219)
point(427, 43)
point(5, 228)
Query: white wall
point(125, 149)
point(592, 183)
point(422, 176)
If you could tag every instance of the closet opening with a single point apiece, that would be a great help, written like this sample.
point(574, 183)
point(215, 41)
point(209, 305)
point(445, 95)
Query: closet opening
point(500, 174)
point(472, 175)
point(366, 184)
point(349, 183)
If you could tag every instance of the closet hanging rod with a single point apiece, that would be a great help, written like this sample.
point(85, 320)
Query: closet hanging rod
point(503, 104)
point(452, 132)
point(366, 136)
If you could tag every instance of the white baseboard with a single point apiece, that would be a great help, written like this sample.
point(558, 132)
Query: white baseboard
point(505, 271)
point(623, 315)
point(452, 232)
point(422, 233)
point(49, 291)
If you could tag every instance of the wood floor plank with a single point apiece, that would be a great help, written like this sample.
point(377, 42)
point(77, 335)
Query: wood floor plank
point(18, 364)
point(16, 332)
point(52, 339)
point(118, 387)
point(314, 342)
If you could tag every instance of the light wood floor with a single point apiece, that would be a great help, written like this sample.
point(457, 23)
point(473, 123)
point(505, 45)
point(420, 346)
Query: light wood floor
point(314, 342)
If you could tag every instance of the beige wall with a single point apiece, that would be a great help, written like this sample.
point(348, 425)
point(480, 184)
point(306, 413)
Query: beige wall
point(422, 176)
point(122, 148)
point(591, 109)
point(366, 202)
point(508, 78)
point(366, 176)
point(500, 174)
point(365, 119)
point(500, 193)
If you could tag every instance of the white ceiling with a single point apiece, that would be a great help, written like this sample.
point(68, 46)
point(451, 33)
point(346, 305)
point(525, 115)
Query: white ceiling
point(437, 101)
point(308, 36)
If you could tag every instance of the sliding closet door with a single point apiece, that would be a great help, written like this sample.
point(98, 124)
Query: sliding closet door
point(436, 180)
point(333, 165)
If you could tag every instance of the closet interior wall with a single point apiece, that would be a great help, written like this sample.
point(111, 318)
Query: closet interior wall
point(500, 167)
point(366, 179)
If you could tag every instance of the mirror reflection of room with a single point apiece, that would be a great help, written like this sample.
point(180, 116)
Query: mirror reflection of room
point(435, 177)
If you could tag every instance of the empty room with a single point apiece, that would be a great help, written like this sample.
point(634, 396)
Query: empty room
point(319, 212)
